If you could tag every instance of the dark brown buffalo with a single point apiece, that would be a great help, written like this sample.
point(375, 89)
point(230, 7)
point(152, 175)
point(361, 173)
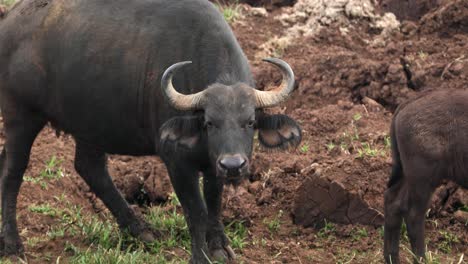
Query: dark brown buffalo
point(115, 75)
point(429, 144)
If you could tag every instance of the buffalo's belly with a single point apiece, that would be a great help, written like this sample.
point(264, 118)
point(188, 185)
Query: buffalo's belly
point(110, 134)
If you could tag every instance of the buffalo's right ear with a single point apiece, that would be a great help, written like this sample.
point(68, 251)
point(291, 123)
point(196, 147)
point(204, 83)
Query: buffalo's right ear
point(182, 131)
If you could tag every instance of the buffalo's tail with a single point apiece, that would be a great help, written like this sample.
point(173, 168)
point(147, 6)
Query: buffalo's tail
point(397, 169)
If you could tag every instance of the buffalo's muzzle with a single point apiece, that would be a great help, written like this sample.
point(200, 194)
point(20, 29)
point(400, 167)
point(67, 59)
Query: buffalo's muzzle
point(232, 165)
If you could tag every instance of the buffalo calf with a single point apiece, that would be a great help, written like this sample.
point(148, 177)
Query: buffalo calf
point(429, 144)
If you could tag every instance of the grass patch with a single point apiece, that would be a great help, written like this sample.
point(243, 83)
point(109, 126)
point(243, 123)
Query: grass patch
point(464, 208)
point(357, 117)
point(346, 257)
point(447, 241)
point(104, 242)
point(359, 233)
point(327, 230)
point(369, 150)
point(331, 146)
point(435, 257)
point(351, 142)
point(304, 148)
point(53, 169)
point(231, 12)
point(107, 244)
point(44, 209)
point(7, 3)
point(171, 223)
point(52, 172)
point(274, 224)
point(115, 256)
point(237, 234)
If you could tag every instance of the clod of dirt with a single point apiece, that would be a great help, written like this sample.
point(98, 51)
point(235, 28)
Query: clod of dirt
point(258, 11)
point(408, 27)
point(320, 199)
point(255, 187)
point(461, 216)
point(372, 105)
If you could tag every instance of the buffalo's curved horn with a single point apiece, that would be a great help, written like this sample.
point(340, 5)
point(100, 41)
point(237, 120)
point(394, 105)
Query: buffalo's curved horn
point(282, 92)
point(177, 100)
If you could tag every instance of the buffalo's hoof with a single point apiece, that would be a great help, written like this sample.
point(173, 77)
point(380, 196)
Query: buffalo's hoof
point(144, 232)
point(11, 248)
point(223, 255)
point(392, 259)
point(199, 261)
point(148, 235)
point(194, 261)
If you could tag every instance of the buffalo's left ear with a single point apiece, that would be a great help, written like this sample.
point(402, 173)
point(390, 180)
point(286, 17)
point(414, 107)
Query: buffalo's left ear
point(278, 131)
point(182, 132)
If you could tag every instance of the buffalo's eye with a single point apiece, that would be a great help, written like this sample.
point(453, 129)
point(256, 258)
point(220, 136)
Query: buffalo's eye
point(208, 124)
point(251, 123)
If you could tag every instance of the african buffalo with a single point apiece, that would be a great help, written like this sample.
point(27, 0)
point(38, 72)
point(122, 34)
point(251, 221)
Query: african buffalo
point(429, 144)
point(101, 71)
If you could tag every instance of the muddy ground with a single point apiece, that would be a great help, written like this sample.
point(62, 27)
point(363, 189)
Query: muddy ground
point(326, 196)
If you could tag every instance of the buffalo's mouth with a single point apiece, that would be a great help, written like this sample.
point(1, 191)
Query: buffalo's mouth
point(232, 168)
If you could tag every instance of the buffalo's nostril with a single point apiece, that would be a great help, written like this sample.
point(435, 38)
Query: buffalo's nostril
point(232, 162)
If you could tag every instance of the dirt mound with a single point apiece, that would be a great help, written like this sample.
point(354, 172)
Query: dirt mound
point(142, 181)
point(449, 18)
point(267, 4)
point(410, 9)
point(349, 68)
point(308, 17)
point(270, 3)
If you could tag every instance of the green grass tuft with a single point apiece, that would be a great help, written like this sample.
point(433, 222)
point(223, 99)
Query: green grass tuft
point(7, 3)
point(231, 12)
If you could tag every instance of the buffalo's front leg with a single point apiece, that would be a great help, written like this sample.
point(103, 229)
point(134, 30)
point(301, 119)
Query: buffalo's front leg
point(218, 243)
point(21, 128)
point(185, 182)
point(91, 165)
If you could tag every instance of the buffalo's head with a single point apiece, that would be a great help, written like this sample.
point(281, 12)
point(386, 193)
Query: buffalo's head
point(229, 116)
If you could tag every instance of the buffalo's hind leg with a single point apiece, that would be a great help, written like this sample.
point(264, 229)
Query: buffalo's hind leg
point(91, 165)
point(394, 199)
point(218, 243)
point(21, 129)
point(2, 163)
point(420, 190)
